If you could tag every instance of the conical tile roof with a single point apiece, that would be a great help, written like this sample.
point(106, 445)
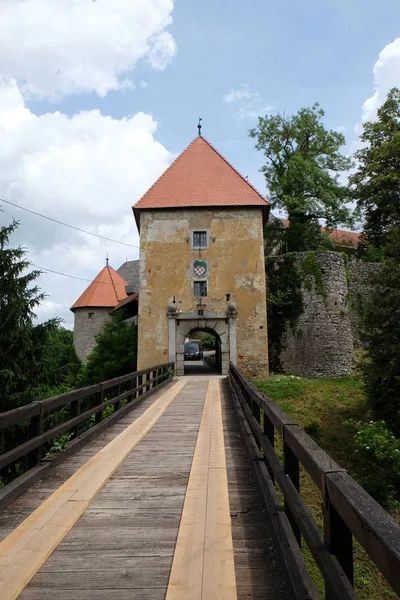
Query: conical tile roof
point(200, 177)
point(106, 290)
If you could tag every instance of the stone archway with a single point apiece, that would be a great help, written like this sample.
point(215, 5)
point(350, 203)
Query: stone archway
point(217, 352)
point(222, 324)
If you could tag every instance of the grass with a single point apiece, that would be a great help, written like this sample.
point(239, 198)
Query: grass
point(320, 407)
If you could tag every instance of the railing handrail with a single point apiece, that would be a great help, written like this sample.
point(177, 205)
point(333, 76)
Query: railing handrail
point(131, 387)
point(348, 509)
point(22, 413)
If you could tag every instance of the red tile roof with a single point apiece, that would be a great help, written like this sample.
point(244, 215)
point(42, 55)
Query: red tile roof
point(106, 290)
point(350, 239)
point(200, 176)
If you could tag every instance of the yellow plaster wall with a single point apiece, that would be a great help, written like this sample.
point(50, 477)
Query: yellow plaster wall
point(235, 266)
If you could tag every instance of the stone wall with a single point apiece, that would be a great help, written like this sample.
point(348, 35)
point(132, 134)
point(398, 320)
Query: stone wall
point(88, 323)
point(322, 341)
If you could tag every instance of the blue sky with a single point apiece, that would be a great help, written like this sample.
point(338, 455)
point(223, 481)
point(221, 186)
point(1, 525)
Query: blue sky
point(292, 53)
point(143, 72)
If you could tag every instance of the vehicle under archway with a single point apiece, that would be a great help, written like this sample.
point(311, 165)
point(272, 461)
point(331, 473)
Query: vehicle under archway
point(202, 352)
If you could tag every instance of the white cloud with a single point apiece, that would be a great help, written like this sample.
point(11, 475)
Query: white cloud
point(243, 92)
point(253, 110)
point(386, 76)
point(60, 47)
point(86, 170)
point(248, 103)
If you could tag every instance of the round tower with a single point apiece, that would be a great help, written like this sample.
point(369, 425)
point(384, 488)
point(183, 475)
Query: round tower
point(92, 309)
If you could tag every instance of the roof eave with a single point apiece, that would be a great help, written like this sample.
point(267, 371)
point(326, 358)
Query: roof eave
point(136, 214)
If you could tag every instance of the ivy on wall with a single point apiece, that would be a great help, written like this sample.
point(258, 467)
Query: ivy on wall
point(287, 276)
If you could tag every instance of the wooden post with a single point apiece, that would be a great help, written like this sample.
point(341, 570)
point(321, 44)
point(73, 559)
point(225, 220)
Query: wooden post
point(339, 541)
point(75, 411)
point(36, 428)
point(292, 469)
point(270, 433)
point(256, 414)
point(140, 380)
point(135, 383)
point(118, 403)
point(148, 386)
point(256, 411)
point(98, 416)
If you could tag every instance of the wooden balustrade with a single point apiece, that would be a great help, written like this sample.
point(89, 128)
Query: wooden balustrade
point(347, 509)
point(81, 406)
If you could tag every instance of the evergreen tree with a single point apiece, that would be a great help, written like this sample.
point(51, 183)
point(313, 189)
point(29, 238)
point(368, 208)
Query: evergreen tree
point(376, 184)
point(36, 361)
point(18, 299)
point(302, 169)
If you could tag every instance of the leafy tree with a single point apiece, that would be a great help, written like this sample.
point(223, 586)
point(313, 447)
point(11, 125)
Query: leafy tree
point(208, 342)
point(380, 324)
point(115, 352)
point(302, 169)
point(376, 184)
point(55, 367)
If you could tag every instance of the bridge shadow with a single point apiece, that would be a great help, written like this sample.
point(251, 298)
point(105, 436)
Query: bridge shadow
point(200, 368)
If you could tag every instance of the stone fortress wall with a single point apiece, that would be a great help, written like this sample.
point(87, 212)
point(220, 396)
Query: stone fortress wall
point(88, 323)
point(324, 337)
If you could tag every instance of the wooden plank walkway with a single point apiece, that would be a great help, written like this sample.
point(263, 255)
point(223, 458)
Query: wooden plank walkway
point(124, 543)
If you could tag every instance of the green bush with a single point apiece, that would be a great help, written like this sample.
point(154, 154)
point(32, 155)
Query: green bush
point(59, 443)
point(377, 461)
point(114, 354)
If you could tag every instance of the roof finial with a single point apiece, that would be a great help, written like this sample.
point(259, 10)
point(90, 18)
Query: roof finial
point(199, 126)
point(107, 260)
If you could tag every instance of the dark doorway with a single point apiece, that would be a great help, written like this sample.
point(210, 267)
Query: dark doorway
point(202, 352)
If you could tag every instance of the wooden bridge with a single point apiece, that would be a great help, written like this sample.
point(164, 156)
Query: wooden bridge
point(174, 495)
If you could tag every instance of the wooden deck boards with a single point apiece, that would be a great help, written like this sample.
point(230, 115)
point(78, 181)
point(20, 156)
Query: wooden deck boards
point(140, 547)
point(203, 566)
point(22, 507)
point(123, 545)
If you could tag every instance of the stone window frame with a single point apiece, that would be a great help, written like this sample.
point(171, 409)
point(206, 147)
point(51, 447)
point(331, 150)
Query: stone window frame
point(200, 283)
point(192, 244)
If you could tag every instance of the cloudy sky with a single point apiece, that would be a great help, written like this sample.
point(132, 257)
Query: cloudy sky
point(98, 96)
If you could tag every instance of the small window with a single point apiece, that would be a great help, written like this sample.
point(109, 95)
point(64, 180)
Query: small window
point(200, 239)
point(90, 315)
point(200, 288)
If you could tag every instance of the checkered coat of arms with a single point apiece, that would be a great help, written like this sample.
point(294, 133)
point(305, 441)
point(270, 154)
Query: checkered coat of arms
point(200, 268)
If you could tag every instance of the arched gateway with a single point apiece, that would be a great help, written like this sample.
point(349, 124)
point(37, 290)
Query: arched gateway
point(202, 262)
point(222, 324)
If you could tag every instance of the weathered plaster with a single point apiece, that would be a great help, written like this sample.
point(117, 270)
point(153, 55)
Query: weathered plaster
point(236, 266)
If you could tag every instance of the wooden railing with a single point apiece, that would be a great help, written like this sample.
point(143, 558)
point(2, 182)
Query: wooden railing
point(347, 509)
point(82, 417)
